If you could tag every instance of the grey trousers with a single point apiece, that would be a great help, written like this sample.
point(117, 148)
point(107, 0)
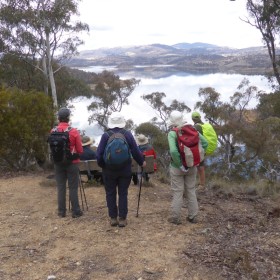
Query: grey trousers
point(183, 182)
point(64, 173)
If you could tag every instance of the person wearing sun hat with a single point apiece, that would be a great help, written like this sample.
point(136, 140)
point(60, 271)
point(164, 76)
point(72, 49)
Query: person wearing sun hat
point(147, 150)
point(182, 180)
point(196, 117)
point(88, 153)
point(117, 181)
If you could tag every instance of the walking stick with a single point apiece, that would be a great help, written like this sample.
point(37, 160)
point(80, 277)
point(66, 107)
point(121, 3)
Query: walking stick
point(139, 194)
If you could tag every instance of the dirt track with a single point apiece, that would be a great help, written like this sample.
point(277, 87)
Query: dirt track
point(238, 236)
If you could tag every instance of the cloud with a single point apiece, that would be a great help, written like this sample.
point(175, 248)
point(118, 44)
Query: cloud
point(125, 22)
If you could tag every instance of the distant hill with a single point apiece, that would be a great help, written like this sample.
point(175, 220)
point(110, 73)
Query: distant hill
point(186, 57)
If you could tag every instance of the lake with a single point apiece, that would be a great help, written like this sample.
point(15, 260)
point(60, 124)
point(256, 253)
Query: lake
point(181, 86)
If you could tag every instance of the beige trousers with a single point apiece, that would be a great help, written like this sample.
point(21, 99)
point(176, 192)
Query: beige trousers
point(183, 182)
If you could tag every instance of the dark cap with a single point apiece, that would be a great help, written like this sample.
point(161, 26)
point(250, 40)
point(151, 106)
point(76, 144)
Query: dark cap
point(63, 113)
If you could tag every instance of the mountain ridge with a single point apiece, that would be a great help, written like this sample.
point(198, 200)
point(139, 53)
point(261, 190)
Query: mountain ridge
point(186, 57)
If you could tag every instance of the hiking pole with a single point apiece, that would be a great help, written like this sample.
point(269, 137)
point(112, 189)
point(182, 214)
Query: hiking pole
point(139, 194)
point(82, 193)
point(83, 190)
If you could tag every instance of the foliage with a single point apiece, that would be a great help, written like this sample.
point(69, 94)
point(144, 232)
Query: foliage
point(265, 16)
point(25, 119)
point(15, 72)
point(248, 144)
point(158, 139)
point(69, 87)
point(41, 32)
point(155, 100)
point(269, 105)
point(110, 93)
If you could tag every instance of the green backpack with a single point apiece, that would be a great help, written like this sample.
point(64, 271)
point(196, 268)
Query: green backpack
point(210, 134)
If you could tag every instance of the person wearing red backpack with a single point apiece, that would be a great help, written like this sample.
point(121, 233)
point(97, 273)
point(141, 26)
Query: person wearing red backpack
point(183, 179)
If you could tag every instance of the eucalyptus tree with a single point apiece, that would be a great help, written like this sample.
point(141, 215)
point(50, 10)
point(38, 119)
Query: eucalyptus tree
point(247, 141)
point(158, 139)
point(110, 94)
point(162, 111)
point(41, 32)
point(265, 16)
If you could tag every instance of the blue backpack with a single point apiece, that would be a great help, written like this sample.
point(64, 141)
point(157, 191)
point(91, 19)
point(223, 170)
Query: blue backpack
point(117, 152)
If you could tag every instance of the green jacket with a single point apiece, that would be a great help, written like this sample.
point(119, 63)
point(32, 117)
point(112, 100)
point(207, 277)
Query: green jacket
point(173, 148)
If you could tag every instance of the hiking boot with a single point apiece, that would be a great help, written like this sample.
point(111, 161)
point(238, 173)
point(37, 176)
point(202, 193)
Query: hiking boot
point(61, 214)
point(192, 220)
point(77, 214)
point(122, 222)
point(114, 222)
point(174, 221)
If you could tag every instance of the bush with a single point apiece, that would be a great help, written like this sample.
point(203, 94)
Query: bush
point(26, 118)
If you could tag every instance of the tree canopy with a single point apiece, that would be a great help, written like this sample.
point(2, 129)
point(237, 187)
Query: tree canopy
point(41, 32)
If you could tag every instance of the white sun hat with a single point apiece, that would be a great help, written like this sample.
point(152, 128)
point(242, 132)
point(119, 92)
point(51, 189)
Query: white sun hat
point(116, 120)
point(175, 119)
point(141, 139)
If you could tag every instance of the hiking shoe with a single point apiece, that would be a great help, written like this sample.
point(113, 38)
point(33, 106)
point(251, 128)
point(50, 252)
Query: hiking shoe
point(192, 220)
point(77, 214)
point(114, 222)
point(61, 214)
point(122, 222)
point(174, 221)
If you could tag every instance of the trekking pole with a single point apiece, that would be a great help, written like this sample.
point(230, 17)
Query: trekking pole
point(83, 190)
point(82, 193)
point(139, 194)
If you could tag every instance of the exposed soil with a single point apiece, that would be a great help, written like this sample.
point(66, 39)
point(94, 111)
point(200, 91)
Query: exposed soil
point(237, 237)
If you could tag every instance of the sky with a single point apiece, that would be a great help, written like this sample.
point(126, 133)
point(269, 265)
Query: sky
point(117, 23)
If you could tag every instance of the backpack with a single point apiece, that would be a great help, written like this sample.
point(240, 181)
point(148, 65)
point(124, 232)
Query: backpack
point(211, 136)
point(60, 146)
point(189, 145)
point(117, 152)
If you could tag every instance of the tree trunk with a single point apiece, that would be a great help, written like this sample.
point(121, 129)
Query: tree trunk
point(50, 70)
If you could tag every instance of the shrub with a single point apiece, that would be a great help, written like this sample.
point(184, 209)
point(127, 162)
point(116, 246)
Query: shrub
point(26, 118)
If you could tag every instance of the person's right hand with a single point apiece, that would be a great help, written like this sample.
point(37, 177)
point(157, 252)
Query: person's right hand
point(183, 169)
point(144, 164)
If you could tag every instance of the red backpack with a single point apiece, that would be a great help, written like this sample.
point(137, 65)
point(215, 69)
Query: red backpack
point(189, 145)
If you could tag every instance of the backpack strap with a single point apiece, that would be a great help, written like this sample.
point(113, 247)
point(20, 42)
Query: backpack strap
point(55, 129)
point(110, 132)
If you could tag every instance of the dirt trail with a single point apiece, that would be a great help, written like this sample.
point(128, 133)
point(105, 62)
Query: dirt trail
point(237, 237)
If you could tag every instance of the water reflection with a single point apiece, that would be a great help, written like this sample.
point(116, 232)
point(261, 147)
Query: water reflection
point(184, 88)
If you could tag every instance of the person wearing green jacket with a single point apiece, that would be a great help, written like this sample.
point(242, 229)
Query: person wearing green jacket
point(182, 180)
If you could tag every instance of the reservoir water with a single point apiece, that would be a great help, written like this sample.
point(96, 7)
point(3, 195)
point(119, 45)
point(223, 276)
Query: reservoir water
point(181, 86)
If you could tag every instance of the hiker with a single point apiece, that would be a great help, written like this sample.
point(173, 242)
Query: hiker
point(182, 179)
point(68, 171)
point(90, 154)
point(117, 176)
point(147, 150)
point(207, 130)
